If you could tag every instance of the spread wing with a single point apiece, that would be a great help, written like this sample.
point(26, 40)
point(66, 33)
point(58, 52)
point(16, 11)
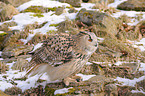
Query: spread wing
point(55, 51)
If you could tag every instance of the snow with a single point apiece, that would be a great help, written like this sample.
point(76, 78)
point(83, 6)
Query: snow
point(1, 32)
point(4, 85)
point(116, 3)
point(44, 3)
point(62, 91)
point(89, 63)
point(138, 91)
point(37, 46)
point(118, 63)
point(85, 77)
point(129, 82)
point(0, 53)
point(142, 67)
point(139, 44)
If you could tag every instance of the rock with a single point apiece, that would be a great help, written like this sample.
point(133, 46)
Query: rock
point(7, 12)
point(15, 3)
point(3, 67)
point(111, 89)
point(137, 5)
point(99, 1)
point(72, 10)
point(140, 29)
point(20, 64)
point(11, 38)
point(2, 5)
point(15, 59)
point(59, 10)
point(141, 85)
point(75, 3)
point(68, 26)
point(15, 50)
point(102, 22)
point(13, 91)
point(3, 94)
point(2, 34)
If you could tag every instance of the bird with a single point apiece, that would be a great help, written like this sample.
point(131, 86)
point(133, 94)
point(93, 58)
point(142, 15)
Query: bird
point(61, 56)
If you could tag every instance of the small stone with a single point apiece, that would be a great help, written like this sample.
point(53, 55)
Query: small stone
point(111, 89)
point(15, 50)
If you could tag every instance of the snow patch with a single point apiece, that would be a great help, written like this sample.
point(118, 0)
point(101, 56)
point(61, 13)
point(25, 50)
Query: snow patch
point(62, 91)
point(85, 77)
point(44, 3)
point(37, 46)
point(116, 3)
point(129, 82)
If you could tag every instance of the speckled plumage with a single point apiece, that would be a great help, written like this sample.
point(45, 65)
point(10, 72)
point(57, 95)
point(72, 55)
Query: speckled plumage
point(61, 56)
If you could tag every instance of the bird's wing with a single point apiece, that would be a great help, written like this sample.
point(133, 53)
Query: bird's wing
point(55, 51)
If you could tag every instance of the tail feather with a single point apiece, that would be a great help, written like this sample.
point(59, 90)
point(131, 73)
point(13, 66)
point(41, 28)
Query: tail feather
point(38, 69)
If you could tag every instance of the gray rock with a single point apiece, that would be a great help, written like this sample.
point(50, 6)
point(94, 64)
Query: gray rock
point(15, 3)
point(101, 21)
point(15, 50)
point(137, 5)
point(111, 89)
point(11, 38)
point(75, 3)
point(99, 1)
point(20, 64)
point(7, 12)
point(59, 11)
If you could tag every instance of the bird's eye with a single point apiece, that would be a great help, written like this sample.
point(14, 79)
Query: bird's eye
point(90, 40)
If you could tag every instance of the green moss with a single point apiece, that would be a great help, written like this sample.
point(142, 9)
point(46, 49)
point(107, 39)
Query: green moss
point(55, 25)
point(39, 15)
point(39, 9)
point(87, 14)
point(51, 32)
point(52, 9)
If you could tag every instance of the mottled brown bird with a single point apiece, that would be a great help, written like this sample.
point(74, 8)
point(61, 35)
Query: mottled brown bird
point(61, 56)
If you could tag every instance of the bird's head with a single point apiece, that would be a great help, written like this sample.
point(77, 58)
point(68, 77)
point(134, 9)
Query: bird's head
point(87, 41)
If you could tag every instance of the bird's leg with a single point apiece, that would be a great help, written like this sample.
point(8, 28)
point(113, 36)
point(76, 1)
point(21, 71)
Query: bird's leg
point(68, 80)
point(74, 79)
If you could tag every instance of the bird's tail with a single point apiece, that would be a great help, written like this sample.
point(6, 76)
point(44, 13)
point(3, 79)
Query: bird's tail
point(38, 69)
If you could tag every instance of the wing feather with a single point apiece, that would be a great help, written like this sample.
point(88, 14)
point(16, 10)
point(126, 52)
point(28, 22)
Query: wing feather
point(55, 51)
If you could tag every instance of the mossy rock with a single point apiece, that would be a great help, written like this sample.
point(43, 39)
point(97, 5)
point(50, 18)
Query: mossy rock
point(74, 3)
point(15, 3)
point(15, 50)
point(20, 64)
point(8, 12)
point(3, 67)
point(38, 38)
point(59, 10)
point(101, 22)
point(11, 38)
point(137, 5)
point(68, 26)
point(99, 1)
point(39, 9)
